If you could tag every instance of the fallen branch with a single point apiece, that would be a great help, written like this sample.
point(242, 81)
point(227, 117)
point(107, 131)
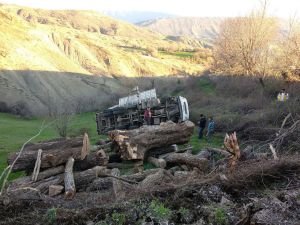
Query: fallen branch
point(274, 152)
point(37, 166)
point(20, 153)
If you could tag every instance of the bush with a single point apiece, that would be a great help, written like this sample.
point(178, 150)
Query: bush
point(51, 216)
point(221, 217)
point(159, 211)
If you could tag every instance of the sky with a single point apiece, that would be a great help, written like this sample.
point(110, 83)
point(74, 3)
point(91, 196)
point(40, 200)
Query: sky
point(201, 8)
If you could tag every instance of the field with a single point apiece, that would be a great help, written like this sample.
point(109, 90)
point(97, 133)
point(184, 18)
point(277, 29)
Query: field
point(15, 131)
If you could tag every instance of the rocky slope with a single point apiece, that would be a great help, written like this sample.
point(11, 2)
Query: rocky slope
point(201, 28)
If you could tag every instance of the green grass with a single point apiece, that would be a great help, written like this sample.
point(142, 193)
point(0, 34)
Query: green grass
point(199, 144)
point(14, 131)
point(178, 54)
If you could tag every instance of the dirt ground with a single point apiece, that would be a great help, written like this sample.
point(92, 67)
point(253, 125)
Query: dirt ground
point(257, 192)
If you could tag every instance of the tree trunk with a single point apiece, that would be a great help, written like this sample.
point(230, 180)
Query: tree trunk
point(70, 188)
point(54, 153)
point(159, 163)
point(156, 152)
point(98, 158)
point(55, 190)
point(126, 164)
point(133, 144)
point(43, 176)
point(84, 178)
point(161, 176)
point(187, 159)
point(138, 177)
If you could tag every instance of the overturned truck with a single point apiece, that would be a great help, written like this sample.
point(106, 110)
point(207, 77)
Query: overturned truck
point(129, 113)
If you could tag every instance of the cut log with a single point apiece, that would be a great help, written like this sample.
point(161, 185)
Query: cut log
point(37, 166)
point(43, 176)
point(156, 152)
point(98, 158)
point(106, 183)
point(84, 178)
point(161, 176)
point(159, 163)
point(43, 185)
point(126, 164)
point(133, 144)
point(54, 153)
point(70, 189)
point(55, 190)
point(85, 146)
point(189, 148)
point(138, 177)
point(187, 159)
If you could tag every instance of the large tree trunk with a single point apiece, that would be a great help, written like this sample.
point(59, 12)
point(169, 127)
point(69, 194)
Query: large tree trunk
point(187, 159)
point(84, 178)
point(133, 144)
point(98, 158)
point(54, 153)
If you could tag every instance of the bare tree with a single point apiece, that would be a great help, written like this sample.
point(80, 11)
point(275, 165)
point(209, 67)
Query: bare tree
point(62, 113)
point(244, 45)
point(289, 56)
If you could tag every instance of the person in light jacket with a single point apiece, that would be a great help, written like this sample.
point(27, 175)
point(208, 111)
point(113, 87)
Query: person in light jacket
point(210, 128)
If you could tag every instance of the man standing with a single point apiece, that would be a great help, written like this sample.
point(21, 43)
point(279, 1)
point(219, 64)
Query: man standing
point(147, 116)
point(202, 124)
point(210, 128)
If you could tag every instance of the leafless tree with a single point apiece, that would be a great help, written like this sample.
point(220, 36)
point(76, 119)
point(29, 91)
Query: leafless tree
point(62, 113)
point(289, 56)
point(244, 45)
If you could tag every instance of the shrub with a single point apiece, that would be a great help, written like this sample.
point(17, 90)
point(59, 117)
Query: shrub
point(221, 217)
point(118, 218)
point(51, 215)
point(159, 211)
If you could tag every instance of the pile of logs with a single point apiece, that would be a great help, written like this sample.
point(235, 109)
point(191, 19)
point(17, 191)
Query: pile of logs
point(73, 165)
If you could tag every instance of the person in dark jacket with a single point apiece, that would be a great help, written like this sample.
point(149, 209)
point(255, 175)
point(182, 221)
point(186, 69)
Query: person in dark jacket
point(202, 124)
point(147, 116)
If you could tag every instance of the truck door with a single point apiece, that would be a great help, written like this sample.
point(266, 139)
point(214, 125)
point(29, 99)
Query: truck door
point(183, 108)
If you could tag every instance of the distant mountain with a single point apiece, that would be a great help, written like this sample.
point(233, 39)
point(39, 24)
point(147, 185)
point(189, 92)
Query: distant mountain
point(41, 50)
point(203, 28)
point(137, 16)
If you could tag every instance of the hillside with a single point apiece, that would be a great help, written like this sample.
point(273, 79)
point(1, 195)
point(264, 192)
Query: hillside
point(85, 42)
point(45, 56)
point(201, 28)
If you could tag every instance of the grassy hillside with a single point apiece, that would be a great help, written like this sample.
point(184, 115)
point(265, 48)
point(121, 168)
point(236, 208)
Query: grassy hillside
point(85, 42)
